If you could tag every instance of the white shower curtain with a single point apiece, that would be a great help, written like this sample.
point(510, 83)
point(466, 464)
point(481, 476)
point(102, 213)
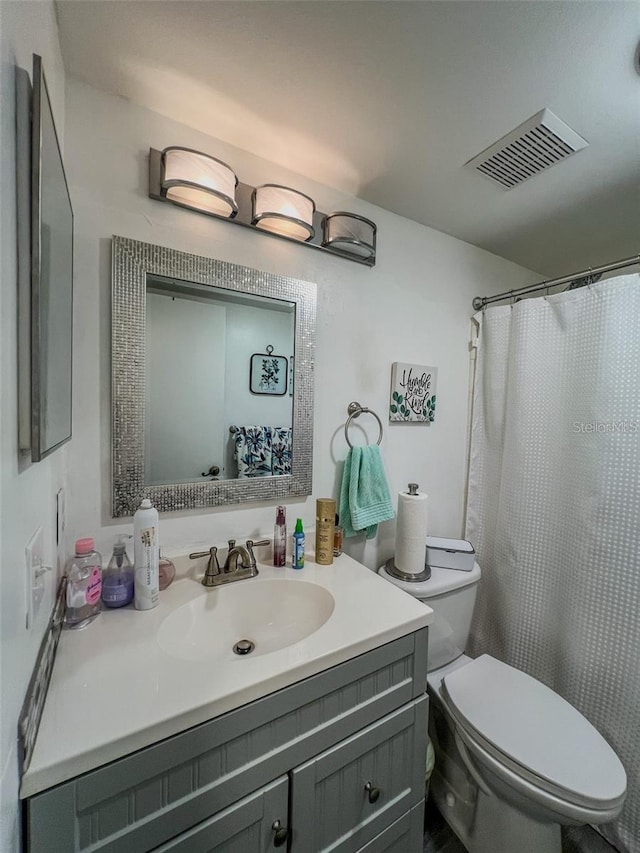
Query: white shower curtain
point(554, 506)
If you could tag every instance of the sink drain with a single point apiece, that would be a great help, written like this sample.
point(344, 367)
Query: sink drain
point(244, 647)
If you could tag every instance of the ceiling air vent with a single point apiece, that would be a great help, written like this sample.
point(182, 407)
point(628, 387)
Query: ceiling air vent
point(535, 145)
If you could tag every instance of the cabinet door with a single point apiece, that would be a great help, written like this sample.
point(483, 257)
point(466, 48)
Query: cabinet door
point(349, 794)
point(244, 827)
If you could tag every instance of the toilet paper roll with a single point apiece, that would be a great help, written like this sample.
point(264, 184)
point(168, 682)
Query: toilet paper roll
point(411, 533)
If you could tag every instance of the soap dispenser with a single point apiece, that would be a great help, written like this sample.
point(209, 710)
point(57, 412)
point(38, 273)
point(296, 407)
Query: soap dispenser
point(117, 578)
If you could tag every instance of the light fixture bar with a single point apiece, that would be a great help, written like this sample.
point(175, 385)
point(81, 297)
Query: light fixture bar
point(295, 220)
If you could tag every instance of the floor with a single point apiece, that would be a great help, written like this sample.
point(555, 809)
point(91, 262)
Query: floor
point(438, 838)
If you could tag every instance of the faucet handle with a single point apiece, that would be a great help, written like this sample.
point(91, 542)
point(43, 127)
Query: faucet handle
point(232, 544)
point(197, 554)
point(213, 567)
point(250, 546)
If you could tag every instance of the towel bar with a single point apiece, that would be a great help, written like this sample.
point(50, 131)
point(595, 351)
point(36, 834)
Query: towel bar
point(355, 410)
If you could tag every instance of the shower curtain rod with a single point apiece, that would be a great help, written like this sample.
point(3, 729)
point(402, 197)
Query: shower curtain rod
point(480, 301)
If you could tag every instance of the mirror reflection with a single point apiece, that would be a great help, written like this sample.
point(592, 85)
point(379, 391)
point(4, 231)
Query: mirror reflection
point(218, 383)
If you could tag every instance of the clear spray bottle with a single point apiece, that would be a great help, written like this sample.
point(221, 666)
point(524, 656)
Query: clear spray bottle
point(280, 537)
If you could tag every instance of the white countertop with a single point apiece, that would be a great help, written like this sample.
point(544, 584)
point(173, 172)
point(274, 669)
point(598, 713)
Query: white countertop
point(114, 690)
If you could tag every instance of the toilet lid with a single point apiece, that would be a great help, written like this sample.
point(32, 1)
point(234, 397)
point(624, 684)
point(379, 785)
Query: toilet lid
point(535, 732)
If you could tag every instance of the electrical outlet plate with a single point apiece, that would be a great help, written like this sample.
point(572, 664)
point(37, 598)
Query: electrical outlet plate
point(34, 558)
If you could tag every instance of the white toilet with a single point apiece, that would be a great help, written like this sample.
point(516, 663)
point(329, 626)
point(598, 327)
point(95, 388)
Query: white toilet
point(514, 761)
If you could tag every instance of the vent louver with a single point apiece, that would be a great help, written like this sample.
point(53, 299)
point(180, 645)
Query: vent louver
point(535, 145)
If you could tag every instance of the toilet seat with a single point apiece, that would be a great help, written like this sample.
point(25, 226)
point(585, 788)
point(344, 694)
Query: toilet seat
point(529, 729)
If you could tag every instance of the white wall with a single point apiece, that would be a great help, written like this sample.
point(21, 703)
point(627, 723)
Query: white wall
point(250, 330)
point(414, 306)
point(184, 339)
point(27, 492)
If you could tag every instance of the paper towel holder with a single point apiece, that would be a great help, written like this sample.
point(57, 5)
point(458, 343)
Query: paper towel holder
point(394, 571)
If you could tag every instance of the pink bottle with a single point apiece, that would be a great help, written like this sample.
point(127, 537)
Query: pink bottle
point(84, 585)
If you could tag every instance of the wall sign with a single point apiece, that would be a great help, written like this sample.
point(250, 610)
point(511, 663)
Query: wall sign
point(268, 373)
point(413, 393)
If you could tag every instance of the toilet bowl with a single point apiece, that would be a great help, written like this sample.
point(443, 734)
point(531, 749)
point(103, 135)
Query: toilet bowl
point(534, 758)
point(514, 761)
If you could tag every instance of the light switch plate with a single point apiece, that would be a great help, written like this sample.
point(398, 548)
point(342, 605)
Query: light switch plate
point(34, 558)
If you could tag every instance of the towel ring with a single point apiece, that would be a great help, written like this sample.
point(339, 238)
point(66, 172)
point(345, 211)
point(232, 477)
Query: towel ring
point(355, 410)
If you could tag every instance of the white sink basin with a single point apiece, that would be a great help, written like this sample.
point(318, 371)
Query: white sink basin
point(271, 613)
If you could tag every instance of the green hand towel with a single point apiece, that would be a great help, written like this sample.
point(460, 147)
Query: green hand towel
point(364, 495)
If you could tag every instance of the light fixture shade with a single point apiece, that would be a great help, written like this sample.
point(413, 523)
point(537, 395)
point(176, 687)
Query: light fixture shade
point(195, 180)
point(351, 234)
point(283, 211)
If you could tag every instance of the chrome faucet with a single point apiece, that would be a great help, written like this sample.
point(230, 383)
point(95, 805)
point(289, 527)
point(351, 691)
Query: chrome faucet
point(231, 571)
point(247, 565)
point(235, 551)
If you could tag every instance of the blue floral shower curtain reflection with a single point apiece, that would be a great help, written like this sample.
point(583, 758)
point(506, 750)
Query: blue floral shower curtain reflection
point(262, 451)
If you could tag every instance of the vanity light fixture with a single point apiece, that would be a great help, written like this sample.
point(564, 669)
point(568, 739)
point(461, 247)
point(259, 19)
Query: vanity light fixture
point(283, 211)
point(350, 233)
point(198, 181)
point(205, 184)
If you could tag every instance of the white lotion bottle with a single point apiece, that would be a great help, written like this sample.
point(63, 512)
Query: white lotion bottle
point(146, 556)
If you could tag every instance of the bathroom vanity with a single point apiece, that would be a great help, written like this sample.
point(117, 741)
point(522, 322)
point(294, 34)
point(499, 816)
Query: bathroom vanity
point(317, 745)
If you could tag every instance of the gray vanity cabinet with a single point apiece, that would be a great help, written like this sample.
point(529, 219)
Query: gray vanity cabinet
point(301, 756)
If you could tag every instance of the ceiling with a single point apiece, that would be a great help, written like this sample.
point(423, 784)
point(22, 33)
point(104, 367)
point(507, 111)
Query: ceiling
point(388, 100)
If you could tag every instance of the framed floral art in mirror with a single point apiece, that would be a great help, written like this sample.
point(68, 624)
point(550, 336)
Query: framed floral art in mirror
point(268, 373)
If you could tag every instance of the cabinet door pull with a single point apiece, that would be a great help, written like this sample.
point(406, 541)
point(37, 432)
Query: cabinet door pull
point(373, 792)
point(281, 834)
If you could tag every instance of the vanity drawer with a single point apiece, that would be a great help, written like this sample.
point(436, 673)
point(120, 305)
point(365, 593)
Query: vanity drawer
point(405, 835)
point(141, 801)
point(352, 792)
point(244, 826)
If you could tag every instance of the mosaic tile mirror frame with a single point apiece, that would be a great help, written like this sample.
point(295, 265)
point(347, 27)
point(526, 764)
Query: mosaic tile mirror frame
point(132, 263)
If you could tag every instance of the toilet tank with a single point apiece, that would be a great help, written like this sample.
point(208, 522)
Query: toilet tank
point(451, 595)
